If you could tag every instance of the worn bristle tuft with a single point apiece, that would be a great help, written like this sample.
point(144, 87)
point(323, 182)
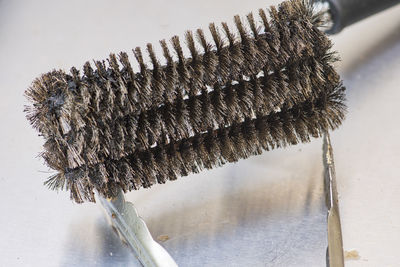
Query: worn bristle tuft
point(253, 88)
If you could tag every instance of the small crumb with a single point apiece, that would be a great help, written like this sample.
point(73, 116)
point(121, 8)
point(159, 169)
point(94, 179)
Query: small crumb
point(113, 215)
point(111, 254)
point(162, 238)
point(351, 255)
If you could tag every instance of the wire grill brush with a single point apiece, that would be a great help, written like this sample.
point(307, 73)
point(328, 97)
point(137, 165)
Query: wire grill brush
point(258, 87)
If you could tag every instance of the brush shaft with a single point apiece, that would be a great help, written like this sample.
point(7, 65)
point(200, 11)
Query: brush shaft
point(347, 12)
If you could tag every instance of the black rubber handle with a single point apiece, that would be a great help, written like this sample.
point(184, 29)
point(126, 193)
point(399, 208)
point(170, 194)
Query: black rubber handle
point(347, 12)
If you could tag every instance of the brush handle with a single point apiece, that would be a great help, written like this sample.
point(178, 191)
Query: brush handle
point(347, 12)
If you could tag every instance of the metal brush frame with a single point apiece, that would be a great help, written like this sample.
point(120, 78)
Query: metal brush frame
point(134, 232)
point(334, 255)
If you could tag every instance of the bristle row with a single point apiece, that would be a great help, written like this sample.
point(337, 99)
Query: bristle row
point(216, 148)
point(173, 121)
point(244, 56)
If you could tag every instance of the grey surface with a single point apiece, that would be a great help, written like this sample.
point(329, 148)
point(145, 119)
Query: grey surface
point(265, 211)
point(367, 147)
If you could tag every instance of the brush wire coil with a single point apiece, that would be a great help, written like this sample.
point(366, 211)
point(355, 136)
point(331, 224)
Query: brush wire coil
point(261, 86)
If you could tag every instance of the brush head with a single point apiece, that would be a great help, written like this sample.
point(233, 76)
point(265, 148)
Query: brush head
point(252, 89)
